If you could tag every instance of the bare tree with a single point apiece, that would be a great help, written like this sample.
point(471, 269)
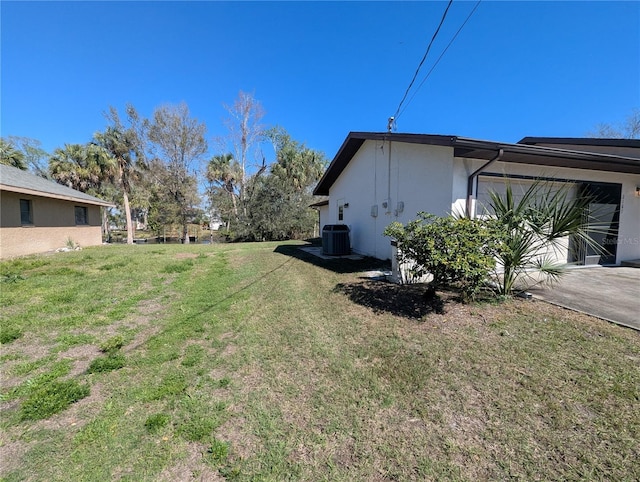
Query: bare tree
point(178, 140)
point(245, 131)
point(629, 129)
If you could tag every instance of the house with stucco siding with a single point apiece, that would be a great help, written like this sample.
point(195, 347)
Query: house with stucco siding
point(37, 215)
point(378, 178)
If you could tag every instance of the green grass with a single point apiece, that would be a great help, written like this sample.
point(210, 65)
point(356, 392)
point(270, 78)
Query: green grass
point(248, 362)
point(114, 361)
point(51, 399)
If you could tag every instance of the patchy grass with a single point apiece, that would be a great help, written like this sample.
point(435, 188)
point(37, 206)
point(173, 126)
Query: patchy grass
point(256, 362)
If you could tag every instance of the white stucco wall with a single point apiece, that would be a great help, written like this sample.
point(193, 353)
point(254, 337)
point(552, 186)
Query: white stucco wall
point(419, 176)
point(428, 178)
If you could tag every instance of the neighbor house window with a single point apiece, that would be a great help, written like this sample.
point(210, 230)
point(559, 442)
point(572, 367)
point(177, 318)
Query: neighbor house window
point(26, 212)
point(81, 215)
point(341, 212)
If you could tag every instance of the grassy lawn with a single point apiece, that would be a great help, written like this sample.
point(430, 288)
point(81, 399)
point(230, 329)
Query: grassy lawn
point(255, 362)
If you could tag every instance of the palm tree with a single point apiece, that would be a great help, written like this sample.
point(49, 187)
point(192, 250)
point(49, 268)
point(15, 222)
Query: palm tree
point(81, 167)
point(124, 146)
point(533, 229)
point(11, 156)
point(226, 173)
point(87, 168)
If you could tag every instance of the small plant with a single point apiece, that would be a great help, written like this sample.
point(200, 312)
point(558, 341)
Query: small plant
point(52, 398)
point(71, 244)
point(155, 422)
point(107, 364)
point(112, 345)
point(224, 382)
point(9, 334)
point(219, 450)
point(11, 278)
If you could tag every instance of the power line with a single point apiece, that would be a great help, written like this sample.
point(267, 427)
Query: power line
point(440, 57)
point(415, 75)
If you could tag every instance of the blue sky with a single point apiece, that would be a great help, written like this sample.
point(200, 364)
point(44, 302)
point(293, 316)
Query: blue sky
point(321, 69)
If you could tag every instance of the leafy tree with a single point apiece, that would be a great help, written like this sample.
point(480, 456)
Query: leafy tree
point(457, 251)
point(35, 157)
point(278, 203)
point(125, 146)
point(534, 228)
point(178, 140)
point(10, 155)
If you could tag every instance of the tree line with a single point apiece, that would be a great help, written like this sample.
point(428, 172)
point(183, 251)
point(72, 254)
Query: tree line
point(153, 169)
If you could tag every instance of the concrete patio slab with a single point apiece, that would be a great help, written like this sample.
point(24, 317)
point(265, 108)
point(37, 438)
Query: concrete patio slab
point(610, 293)
point(317, 251)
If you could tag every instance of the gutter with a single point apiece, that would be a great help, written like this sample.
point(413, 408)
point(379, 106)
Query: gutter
point(472, 178)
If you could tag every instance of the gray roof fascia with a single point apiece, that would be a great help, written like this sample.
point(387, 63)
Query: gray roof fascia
point(13, 179)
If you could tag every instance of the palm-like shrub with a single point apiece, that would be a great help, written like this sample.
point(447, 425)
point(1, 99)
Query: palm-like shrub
point(534, 230)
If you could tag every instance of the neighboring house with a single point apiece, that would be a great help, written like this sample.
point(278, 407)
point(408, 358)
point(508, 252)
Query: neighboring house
point(37, 215)
point(322, 207)
point(378, 178)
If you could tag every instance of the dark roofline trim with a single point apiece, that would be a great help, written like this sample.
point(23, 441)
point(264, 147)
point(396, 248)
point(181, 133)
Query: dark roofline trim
point(319, 204)
point(581, 141)
point(482, 150)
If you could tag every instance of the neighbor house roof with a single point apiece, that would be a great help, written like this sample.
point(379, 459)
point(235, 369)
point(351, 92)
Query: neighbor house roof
point(522, 153)
point(16, 180)
point(322, 201)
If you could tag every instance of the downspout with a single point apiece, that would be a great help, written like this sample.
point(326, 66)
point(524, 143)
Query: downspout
point(473, 177)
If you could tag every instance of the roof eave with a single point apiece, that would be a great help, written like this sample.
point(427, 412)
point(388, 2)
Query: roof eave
point(33, 192)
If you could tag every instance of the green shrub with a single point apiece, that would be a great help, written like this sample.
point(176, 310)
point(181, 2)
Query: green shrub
point(106, 364)
point(112, 345)
point(155, 422)
point(52, 398)
point(457, 252)
point(9, 334)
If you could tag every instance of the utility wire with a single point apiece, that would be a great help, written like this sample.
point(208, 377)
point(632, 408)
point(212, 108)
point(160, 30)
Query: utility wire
point(440, 58)
point(444, 15)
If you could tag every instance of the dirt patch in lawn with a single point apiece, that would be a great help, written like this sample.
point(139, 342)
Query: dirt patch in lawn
point(243, 444)
point(82, 356)
point(191, 467)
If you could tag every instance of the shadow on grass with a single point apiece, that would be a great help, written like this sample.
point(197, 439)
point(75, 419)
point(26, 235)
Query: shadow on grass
point(338, 265)
point(407, 301)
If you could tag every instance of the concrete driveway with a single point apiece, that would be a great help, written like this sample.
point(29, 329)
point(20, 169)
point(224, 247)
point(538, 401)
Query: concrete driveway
point(610, 293)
